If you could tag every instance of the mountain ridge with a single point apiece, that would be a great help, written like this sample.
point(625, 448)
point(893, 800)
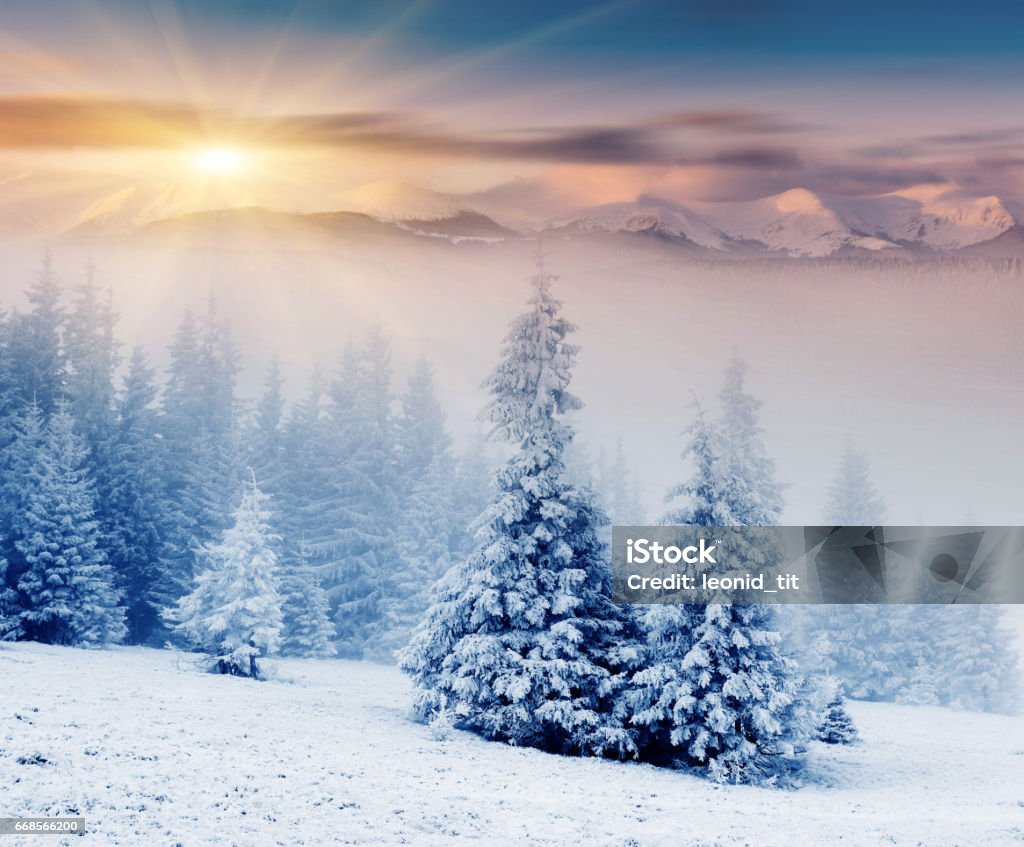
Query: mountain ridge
point(926, 219)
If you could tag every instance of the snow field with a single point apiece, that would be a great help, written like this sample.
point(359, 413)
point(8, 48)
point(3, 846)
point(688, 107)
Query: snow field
point(151, 751)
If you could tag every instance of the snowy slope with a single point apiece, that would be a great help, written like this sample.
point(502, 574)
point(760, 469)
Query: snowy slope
point(798, 222)
point(647, 214)
point(795, 223)
point(151, 751)
point(421, 210)
point(136, 206)
point(397, 201)
point(942, 217)
point(45, 203)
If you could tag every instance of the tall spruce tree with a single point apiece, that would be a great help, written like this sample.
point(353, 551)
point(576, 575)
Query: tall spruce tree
point(199, 441)
point(522, 642)
point(22, 444)
point(138, 513)
point(354, 547)
point(425, 535)
point(36, 346)
point(425, 554)
point(757, 497)
point(66, 583)
point(869, 647)
point(267, 441)
point(421, 435)
point(318, 516)
point(92, 358)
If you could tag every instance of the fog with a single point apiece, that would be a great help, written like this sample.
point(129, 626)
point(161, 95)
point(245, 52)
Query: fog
point(919, 366)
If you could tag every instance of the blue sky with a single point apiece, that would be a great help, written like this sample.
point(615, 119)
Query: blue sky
point(704, 99)
point(656, 28)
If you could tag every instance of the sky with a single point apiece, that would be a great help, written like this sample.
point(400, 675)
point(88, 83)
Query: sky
point(557, 106)
point(583, 102)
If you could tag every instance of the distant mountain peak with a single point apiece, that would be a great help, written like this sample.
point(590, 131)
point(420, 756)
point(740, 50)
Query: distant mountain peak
point(798, 200)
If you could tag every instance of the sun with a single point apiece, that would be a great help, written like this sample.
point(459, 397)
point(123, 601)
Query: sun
point(221, 161)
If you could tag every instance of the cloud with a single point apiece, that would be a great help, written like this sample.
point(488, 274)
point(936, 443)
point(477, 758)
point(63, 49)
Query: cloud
point(731, 121)
point(97, 122)
point(753, 157)
point(719, 149)
point(28, 121)
point(992, 136)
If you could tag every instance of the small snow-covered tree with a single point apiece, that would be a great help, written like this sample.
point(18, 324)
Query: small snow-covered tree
point(852, 499)
point(837, 726)
point(970, 657)
point(306, 611)
point(66, 583)
point(10, 612)
point(743, 691)
point(234, 611)
point(521, 641)
point(918, 688)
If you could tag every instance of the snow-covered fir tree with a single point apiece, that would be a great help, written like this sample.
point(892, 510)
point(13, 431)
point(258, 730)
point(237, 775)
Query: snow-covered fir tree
point(425, 535)
point(137, 512)
point(715, 687)
point(621, 491)
point(312, 502)
point(424, 548)
point(837, 727)
point(852, 499)
point(867, 646)
point(22, 442)
point(308, 630)
point(10, 611)
point(970, 657)
point(349, 531)
point(266, 441)
point(756, 499)
point(472, 491)
point(65, 582)
point(522, 642)
point(234, 611)
point(38, 362)
point(92, 358)
point(421, 435)
point(918, 687)
point(199, 440)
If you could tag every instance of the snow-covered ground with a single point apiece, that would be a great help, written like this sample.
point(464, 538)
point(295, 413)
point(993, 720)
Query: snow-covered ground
point(153, 752)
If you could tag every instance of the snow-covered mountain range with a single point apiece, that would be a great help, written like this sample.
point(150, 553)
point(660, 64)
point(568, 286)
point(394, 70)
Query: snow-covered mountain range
point(925, 219)
point(799, 222)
